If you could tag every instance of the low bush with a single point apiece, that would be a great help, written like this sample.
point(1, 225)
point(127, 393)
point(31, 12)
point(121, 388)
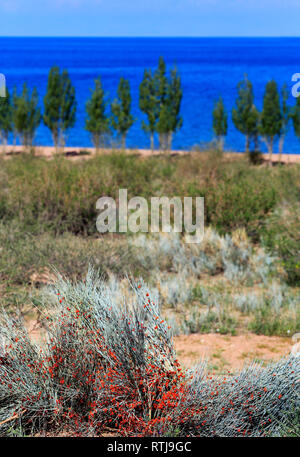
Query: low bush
point(234, 256)
point(24, 255)
point(200, 321)
point(268, 321)
point(255, 402)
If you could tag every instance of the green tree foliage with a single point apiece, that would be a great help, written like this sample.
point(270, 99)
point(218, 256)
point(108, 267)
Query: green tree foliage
point(245, 116)
point(253, 125)
point(59, 105)
point(161, 82)
point(26, 115)
point(285, 117)
point(122, 119)
point(5, 118)
point(97, 122)
point(169, 97)
point(174, 103)
point(271, 118)
point(163, 127)
point(220, 124)
point(148, 104)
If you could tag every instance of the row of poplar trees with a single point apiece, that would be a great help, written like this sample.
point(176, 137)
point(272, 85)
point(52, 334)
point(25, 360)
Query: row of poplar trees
point(160, 101)
point(270, 124)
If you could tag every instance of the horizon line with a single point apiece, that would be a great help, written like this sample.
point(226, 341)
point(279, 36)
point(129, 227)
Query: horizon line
point(155, 36)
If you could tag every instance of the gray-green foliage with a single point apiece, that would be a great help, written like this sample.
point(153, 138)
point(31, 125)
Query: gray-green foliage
point(255, 402)
point(216, 254)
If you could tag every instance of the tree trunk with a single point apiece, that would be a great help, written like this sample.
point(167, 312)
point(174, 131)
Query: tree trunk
point(96, 140)
point(4, 142)
point(14, 140)
point(55, 141)
point(247, 143)
point(270, 148)
point(162, 141)
point(152, 141)
point(169, 139)
point(221, 142)
point(124, 141)
point(281, 143)
point(255, 141)
point(24, 142)
point(62, 143)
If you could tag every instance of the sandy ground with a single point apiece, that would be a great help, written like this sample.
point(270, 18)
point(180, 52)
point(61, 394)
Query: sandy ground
point(225, 352)
point(76, 153)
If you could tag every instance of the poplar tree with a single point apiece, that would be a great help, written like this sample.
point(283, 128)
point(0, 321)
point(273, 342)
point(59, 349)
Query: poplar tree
point(122, 119)
point(169, 97)
point(174, 99)
point(220, 124)
point(253, 126)
point(161, 88)
point(97, 122)
point(163, 127)
point(148, 104)
point(59, 105)
point(285, 118)
point(5, 118)
point(161, 82)
point(245, 115)
point(26, 115)
point(271, 118)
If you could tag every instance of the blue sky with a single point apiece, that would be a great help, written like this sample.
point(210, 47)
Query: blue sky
point(149, 17)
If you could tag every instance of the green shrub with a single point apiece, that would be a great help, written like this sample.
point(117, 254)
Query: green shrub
point(60, 195)
point(240, 201)
point(23, 254)
point(281, 234)
point(210, 321)
point(269, 322)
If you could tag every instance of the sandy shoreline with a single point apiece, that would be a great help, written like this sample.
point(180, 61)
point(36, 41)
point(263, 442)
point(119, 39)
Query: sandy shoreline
point(81, 152)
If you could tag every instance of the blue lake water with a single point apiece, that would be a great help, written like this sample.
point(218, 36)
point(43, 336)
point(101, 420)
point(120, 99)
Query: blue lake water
point(209, 67)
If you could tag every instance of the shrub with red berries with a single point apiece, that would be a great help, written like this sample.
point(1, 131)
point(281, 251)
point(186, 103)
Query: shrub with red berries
point(106, 364)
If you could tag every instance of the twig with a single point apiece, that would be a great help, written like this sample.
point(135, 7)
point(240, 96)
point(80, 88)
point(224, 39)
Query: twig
point(15, 416)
